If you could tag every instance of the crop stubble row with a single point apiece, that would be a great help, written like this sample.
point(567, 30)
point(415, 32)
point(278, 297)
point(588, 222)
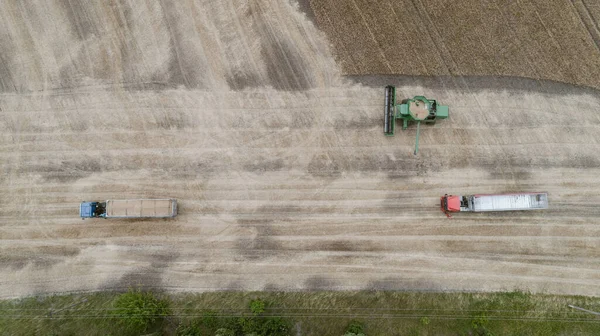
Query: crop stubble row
point(536, 39)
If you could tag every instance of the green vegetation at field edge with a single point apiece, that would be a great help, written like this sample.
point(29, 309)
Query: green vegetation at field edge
point(300, 313)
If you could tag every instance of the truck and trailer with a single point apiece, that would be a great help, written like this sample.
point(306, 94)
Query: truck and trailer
point(494, 202)
point(129, 208)
point(167, 208)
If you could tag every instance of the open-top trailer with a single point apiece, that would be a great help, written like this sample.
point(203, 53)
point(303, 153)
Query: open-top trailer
point(130, 208)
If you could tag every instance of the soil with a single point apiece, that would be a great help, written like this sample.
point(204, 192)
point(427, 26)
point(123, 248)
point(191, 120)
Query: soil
point(283, 176)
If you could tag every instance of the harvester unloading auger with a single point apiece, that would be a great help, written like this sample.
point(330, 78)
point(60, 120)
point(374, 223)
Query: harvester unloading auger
point(419, 109)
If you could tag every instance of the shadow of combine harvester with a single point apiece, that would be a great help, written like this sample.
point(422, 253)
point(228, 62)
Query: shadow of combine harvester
point(418, 109)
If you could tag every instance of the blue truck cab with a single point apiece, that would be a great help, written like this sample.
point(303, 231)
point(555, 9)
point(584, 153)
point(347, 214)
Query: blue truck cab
point(91, 210)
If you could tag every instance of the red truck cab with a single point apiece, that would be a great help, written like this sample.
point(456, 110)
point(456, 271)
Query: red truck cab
point(450, 203)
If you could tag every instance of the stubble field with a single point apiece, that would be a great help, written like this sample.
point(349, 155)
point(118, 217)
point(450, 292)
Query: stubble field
point(554, 40)
point(284, 178)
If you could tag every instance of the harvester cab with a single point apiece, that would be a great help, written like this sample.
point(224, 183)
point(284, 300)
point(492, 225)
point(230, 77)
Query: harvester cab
point(418, 109)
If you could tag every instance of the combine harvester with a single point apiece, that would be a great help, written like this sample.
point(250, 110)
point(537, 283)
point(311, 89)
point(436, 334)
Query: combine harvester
point(131, 208)
point(419, 109)
point(498, 202)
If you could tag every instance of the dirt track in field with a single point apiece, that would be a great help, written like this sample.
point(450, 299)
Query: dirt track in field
point(284, 178)
point(541, 39)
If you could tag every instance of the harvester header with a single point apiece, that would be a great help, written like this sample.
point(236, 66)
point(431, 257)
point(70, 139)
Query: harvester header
point(418, 109)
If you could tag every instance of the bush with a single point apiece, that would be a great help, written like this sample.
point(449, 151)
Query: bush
point(355, 327)
point(211, 323)
point(230, 323)
point(224, 332)
point(267, 326)
point(275, 326)
point(479, 325)
point(191, 329)
point(210, 320)
point(257, 306)
point(248, 324)
point(137, 310)
point(479, 321)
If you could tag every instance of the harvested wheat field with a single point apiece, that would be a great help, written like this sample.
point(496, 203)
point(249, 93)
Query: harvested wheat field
point(283, 176)
point(556, 40)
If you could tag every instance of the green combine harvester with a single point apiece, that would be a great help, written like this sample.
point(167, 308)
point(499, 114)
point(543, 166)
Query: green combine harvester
point(419, 109)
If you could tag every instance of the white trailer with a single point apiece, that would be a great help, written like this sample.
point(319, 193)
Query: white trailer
point(494, 202)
